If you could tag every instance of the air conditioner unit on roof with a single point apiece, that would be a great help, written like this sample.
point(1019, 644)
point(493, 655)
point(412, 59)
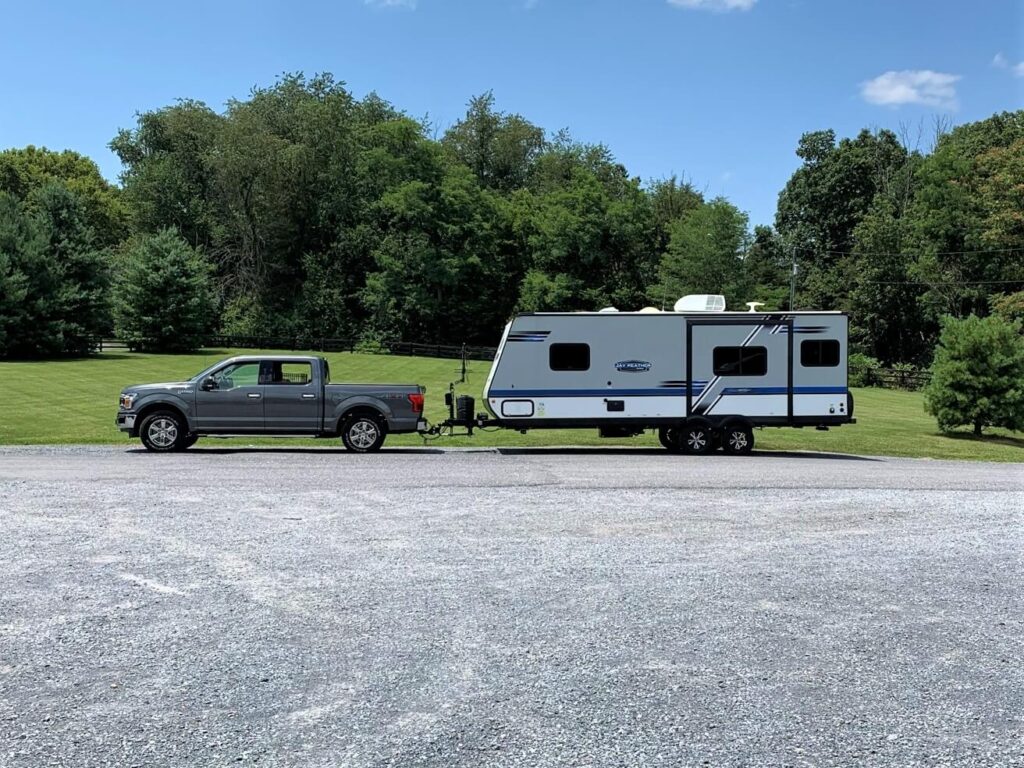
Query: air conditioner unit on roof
point(701, 303)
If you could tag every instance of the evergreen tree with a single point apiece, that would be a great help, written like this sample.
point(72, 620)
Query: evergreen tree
point(164, 297)
point(978, 375)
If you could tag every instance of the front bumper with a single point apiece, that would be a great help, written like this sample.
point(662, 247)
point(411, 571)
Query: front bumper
point(126, 422)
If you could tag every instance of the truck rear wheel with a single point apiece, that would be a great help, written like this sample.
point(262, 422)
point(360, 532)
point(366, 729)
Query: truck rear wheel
point(363, 433)
point(163, 432)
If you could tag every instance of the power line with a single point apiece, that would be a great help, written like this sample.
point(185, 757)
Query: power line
point(934, 285)
point(912, 253)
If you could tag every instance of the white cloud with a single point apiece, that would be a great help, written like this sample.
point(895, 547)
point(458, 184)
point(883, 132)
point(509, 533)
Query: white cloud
point(719, 6)
point(410, 4)
point(1001, 62)
point(912, 86)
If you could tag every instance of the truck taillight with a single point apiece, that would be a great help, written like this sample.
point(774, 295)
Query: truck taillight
point(417, 403)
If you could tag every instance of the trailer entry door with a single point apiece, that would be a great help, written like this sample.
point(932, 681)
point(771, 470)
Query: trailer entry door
point(738, 366)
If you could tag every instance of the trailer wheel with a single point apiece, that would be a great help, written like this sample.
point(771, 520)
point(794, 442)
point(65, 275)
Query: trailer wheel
point(669, 438)
point(698, 438)
point(738, 439)
point(363, 433)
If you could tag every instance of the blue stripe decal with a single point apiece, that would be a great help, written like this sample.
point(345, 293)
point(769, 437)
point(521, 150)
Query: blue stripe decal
point(661, 392)
point(518, 393)
point(784, 390)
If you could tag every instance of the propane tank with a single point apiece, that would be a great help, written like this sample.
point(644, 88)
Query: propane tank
point(464, 407)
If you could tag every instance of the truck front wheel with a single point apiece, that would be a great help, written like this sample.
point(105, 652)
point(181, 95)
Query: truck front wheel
point(363, 433)
point(163, 432)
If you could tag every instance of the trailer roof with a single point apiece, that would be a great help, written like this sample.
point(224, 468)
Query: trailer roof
point(687, 314)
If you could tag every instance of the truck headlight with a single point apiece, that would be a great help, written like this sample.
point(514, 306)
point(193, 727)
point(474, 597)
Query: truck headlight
point(127, 400)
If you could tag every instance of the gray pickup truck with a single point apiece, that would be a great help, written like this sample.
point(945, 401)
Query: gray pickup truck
point(286, 396)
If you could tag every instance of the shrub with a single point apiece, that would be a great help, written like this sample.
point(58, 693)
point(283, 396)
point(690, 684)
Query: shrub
point(862, 370)
point(977, 375)
point(164, 298)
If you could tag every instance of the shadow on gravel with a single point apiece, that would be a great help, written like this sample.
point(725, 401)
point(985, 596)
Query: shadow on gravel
point(199, 450)
point(659, 451)
point(512, 451)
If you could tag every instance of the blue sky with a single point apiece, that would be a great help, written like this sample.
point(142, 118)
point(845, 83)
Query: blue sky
point(717, 91)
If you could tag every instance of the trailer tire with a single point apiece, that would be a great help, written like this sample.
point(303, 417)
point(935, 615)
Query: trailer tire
point(737, 439)
point(669, 438)
point(698, 438)
point(363, 432)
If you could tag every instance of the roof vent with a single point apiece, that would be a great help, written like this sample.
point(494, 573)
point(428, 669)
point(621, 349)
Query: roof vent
point(701, 303)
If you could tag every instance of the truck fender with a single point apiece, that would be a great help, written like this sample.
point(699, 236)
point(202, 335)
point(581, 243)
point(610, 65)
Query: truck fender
point(341, 407)
point(163, 400)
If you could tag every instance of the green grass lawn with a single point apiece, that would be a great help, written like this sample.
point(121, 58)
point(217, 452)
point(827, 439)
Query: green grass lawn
point(74, 401)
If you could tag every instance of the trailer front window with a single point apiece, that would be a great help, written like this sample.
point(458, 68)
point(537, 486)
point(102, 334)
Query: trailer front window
point(740, 361)
point(816, 353)
point(569, 357)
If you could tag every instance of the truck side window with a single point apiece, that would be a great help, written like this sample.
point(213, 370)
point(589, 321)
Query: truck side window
point(740, 361)
point(238, 375)
point(569, 357)
point(290, 373)
point(823, 353)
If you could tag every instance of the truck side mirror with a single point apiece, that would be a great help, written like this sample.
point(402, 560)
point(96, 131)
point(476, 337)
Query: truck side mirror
point(208, 384)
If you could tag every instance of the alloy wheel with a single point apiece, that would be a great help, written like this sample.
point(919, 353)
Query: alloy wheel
point(163, 432)
point(363, 434)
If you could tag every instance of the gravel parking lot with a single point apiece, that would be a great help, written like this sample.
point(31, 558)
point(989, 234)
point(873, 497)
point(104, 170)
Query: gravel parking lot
point(514, 608)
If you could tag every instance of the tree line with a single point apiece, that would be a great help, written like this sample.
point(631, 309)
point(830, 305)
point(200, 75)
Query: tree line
point(302, 211)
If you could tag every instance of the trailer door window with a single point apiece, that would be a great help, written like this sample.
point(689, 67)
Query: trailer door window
point(569, 357)
point(741, 361)
point(822, 353)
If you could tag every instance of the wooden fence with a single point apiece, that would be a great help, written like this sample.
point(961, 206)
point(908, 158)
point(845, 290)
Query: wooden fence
point(324, 344)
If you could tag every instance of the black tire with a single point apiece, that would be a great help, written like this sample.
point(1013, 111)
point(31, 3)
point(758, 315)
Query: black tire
point(737, 439)
point(363, 433)
point(698, 438)
point(669, 438)
point(163, 432)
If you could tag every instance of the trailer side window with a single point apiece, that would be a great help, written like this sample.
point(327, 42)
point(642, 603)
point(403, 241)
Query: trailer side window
point(815, 353)
point(740, 361)
point(569, 357)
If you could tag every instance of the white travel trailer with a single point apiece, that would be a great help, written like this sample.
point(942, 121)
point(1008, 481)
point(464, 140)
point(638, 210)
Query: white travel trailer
point(703, 379)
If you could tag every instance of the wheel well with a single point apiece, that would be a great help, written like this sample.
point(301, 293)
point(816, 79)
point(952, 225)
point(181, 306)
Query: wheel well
point(160, 407)
point(735, 421)
point(362, 410)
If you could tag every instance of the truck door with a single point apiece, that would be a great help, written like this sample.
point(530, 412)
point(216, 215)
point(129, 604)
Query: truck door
point(235, 404)
point(293, 396)
point(740, 367)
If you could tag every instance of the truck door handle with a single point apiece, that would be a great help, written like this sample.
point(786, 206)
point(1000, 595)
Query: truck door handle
point(254, 395)
point(308, 396)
